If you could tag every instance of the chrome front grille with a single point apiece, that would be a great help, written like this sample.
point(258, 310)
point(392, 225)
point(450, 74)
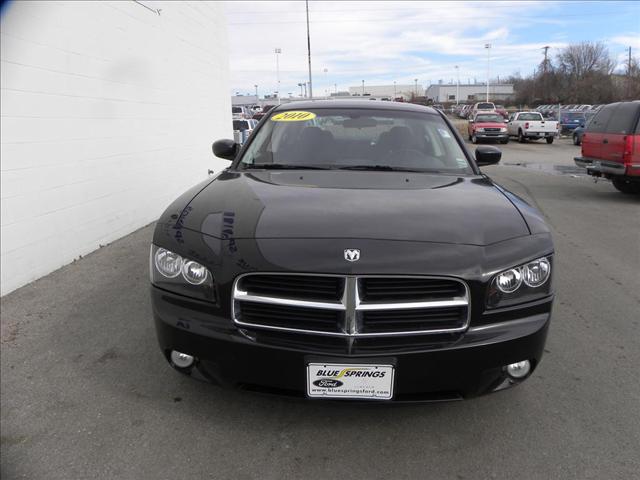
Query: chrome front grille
point(351, 305)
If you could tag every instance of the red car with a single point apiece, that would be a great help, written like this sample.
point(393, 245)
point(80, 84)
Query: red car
point(611, 146)
point(488, 126)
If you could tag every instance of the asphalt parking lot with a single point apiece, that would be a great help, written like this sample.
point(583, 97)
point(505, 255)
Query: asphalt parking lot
point(86, 393)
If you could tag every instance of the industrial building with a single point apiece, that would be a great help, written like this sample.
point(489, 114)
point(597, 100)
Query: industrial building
point(446, 93)
point(391, 91)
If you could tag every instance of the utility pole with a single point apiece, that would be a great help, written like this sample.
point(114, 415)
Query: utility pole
point(488, 47)
point(416, 88)
point(629, 76)
point(458, 85)
point(256, 92)
point(395, 93)
point(335, 88)
point(309, 51)
point(544, 72)
point(363, 88)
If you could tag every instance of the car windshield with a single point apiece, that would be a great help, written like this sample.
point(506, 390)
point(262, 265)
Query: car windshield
point(489, 118)
point(359, 139)
point(236, 109)
point(486, 106)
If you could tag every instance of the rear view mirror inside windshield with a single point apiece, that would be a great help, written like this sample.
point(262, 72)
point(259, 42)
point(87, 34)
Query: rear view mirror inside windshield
point(359, 122)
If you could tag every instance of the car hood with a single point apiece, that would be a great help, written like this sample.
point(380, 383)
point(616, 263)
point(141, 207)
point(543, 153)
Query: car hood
point(490, 125)
point(353, 204)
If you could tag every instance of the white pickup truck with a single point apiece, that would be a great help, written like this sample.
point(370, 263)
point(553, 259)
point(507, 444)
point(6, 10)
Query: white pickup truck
point(531, 125)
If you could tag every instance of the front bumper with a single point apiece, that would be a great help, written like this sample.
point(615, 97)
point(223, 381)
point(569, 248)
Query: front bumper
point(427, 368)
point(492, 136)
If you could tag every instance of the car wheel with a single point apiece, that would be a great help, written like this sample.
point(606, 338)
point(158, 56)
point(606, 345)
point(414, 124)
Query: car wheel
point(474, 139)
point(521, 138)
point(625, 186)
point(549, 140)
point(576, 141)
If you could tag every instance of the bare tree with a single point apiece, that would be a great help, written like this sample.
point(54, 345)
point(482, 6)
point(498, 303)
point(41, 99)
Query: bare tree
point(584, 58)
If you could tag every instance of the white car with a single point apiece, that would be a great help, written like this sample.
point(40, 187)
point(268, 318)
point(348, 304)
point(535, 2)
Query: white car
point(531, 125)
point(482, 107)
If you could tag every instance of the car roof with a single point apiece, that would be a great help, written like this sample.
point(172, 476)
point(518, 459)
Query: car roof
point(356, 104)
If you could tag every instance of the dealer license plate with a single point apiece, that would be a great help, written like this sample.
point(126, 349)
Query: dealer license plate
point(331, 380)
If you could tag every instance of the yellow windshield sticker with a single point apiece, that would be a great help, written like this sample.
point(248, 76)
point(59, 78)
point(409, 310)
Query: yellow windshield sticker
point(293, 116)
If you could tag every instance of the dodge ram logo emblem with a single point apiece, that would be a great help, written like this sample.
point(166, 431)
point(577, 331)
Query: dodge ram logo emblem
point(352, 254)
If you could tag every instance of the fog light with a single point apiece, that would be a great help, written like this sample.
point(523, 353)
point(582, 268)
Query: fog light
point(181, 360)
point(519, 369)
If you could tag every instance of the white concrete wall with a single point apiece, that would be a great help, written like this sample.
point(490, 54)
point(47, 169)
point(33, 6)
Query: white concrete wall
point(108, 113)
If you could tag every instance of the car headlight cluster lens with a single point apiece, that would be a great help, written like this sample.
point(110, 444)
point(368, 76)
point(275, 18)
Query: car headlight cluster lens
point(533, 274)
point(171, 265)
point(171, 271)
point(168, 263)
point(520, 284)
point(503, 129)
point(509, 281)
point(536, 273)
point(194, 273)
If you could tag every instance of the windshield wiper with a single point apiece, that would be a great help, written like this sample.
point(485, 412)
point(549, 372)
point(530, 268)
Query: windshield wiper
point(282, 166)
point(383, 168)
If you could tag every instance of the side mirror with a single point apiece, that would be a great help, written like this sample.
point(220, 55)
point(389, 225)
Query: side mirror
point(471, 120)
point(486, 155)
point(227, 149)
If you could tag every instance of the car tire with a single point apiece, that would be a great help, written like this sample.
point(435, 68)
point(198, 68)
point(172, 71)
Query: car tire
point(521, 138)
point(549, 140)
point(625, 186)
point(474, 139)
point(504, 142)
point(576, 140)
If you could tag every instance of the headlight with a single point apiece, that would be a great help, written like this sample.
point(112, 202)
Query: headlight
point(172, 272)
point(168, 263)
point(536, 273)
point(509, 281)
point(503, 129)
point(520, 284)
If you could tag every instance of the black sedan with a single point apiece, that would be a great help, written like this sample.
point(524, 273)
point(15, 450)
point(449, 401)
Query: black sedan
point(353, 250)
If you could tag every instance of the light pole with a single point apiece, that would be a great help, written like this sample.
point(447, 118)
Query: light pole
point(488, 47)
point(278, 52)
point(325, 70)
point(416, 80)
point(363, 88)
point(309, 51)
point(458, 85)
point(335, 86)
point(395, 93)
point(256, 92)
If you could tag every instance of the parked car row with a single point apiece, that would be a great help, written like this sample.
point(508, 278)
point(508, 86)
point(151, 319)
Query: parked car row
point(522, 125)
